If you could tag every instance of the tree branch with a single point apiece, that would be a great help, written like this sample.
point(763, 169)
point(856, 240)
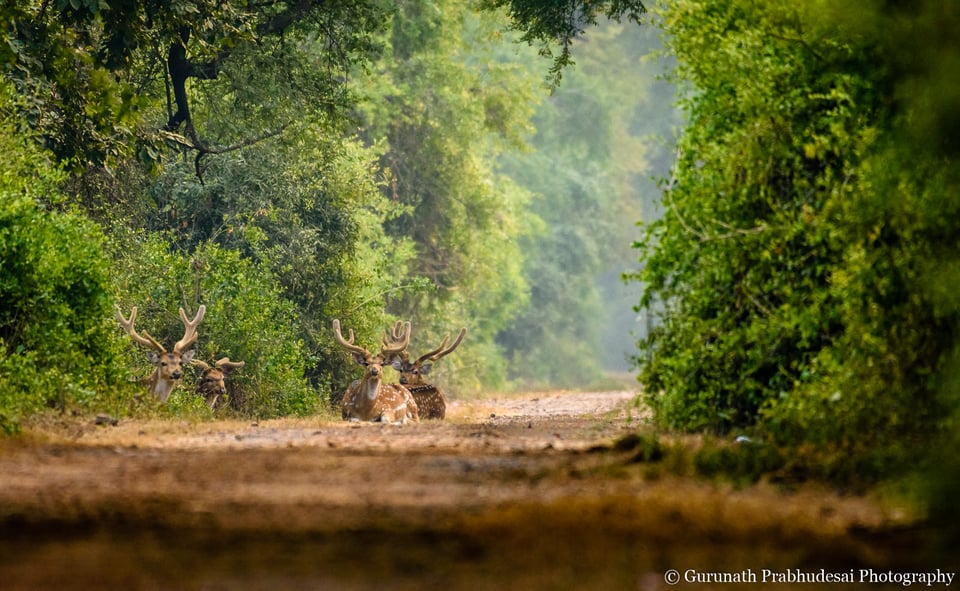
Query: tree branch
point(194, 143)
point(180, 69)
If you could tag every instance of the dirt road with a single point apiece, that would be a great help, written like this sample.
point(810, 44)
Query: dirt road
point(510, 493)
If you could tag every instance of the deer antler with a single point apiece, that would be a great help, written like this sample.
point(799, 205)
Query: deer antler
point(225, 363)
point(221, 364)
point(347, 344)
point(399, 342)
point(440, 351)
point(428, 356)
point(190, 329)
point(394, 335)
point(146, 339)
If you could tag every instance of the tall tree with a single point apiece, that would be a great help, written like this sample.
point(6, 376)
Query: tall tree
point(447, 105)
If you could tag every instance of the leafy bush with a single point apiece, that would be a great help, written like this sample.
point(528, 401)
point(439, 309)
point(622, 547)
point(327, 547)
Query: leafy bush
point(806, 260)
point(56, 347)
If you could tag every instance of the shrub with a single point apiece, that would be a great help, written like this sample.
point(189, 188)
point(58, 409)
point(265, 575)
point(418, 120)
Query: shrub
point(56, 347)
point(806, 261)
point(247, 319)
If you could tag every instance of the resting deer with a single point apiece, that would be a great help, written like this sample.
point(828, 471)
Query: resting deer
point(169, 365)
point(369, 399)
point(211, 385)
point(431, 401)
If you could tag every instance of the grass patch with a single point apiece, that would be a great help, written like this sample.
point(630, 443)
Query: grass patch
point(743, 461)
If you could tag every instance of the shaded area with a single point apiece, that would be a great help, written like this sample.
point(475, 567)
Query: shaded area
point(518, 552)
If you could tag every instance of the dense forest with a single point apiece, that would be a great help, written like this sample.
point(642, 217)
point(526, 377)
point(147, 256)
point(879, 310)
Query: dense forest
point(791, 166)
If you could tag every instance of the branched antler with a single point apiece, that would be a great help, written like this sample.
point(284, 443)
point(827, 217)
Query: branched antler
point(441, 351)
point(190, 329)
point(146, 339)
point(399, 342)
point(347, 343)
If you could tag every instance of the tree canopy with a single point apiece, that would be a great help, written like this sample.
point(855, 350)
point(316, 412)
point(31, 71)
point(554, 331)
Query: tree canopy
point(110, 81)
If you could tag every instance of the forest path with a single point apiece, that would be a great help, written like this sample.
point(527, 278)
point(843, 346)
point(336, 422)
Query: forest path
point(519, 492)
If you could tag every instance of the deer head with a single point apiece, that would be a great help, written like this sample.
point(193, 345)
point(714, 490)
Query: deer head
point(411, 373)
point(211, 384)
point(169, 364)
point(368, 398)
point(373, 363)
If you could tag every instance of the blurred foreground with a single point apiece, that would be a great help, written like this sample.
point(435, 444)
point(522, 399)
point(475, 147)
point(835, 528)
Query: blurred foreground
point(520, 493)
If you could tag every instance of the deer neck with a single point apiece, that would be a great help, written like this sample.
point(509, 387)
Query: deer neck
point(370, 388)
point(160, 387)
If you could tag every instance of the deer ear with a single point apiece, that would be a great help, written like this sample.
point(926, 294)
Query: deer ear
point(397, 365)
point(154, 357)
point(425, 368)
point(186, 357)
point(359, 359)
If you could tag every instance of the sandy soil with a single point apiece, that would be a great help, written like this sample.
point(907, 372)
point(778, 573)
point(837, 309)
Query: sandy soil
point(522, 492)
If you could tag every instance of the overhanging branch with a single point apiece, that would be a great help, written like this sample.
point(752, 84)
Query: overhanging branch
point(194, 143)
point(180, 69)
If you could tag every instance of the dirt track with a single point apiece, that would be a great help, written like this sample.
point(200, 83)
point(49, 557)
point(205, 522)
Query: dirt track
point(513, 493)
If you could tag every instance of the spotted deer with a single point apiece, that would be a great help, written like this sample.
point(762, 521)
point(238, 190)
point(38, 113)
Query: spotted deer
point(430, 399)
point(169, 364)
point(211, 384)
point(369, 399)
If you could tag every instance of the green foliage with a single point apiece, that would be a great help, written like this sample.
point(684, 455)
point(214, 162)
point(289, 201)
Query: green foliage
point(56, 348)
point(809, 232)
point(97, 76)
point(246, 320)
point(548, 24)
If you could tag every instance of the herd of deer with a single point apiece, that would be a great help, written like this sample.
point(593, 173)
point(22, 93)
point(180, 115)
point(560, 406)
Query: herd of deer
point(367, 399)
